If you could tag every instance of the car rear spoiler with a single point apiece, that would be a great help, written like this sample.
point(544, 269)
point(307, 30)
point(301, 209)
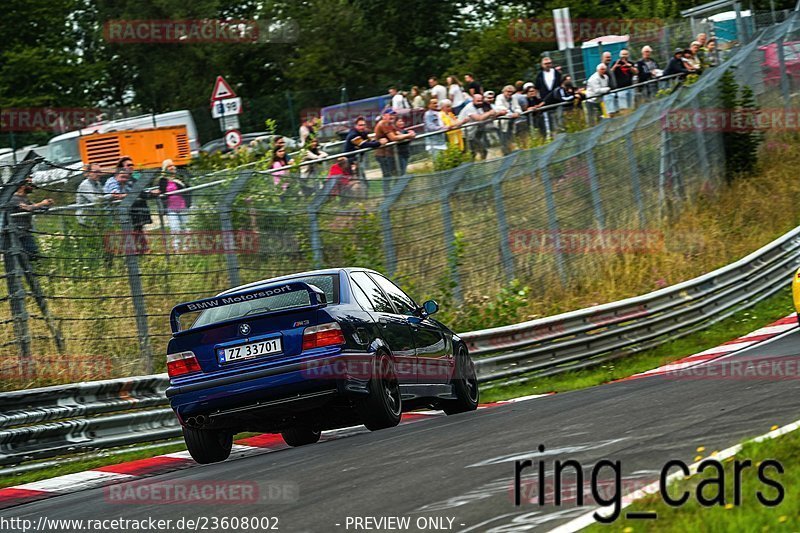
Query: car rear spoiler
point(315, 294)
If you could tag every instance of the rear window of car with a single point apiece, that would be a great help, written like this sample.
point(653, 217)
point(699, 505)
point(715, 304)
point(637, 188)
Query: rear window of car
point(328, 283)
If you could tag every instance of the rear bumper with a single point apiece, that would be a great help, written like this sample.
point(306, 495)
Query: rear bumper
point(229, 394)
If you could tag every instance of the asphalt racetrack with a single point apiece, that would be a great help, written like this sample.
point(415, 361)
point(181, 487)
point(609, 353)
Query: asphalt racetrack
point(457, 473)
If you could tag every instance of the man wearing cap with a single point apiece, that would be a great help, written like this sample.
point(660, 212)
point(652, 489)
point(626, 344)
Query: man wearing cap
point(386, 129)
point(24, 207)
point(676, 64)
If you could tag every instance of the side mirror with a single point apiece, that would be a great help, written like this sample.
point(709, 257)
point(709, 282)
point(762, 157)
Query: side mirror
point(430, 307)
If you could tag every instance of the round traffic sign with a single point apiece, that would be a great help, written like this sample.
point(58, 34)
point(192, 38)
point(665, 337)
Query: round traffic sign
point(233, 139)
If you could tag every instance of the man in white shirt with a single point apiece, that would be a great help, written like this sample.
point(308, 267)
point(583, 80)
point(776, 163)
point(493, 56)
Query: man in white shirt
point(438, 90)
point(478, 111)
point(506, 101)
point(596, 87)
point(398, 100)
point(90, 191)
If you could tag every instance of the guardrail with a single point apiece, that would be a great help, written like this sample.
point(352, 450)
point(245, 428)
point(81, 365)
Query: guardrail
point(78, 417)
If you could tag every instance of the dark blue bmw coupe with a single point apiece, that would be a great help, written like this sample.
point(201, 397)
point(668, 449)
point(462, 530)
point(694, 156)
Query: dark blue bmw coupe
point(300, 354)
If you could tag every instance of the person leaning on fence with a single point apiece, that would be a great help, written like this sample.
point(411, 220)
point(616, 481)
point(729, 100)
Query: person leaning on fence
point(117, 188)
point(433, 123)
point(89, 194)
point(310, 173)
point(358, 138)
point(24, 208)
point(455, 136)
point(176, 204)
point(386, 129)
point(569, 97)
point(480, 112)
point(507, 102)
point(676, 65)
point(596, 87)
point(648, 71)
point(404, 148)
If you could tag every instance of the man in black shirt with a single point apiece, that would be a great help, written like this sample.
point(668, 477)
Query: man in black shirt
point(623, 72)
point(473, 86)
point(20, 203)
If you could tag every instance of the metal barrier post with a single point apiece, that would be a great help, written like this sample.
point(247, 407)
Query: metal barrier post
point(700, 142)
point(226, 225)
point(784, 75)
point(313, 220)
point(500, 211)
point(386, 223)
point(552, 217)
point(594, 184)
point(449, 234)
point(13, 267)
point(636, 185)
point(134, 273)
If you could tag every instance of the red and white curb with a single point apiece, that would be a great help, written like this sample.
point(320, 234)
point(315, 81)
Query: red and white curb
point(778, 327)
point(170, 462)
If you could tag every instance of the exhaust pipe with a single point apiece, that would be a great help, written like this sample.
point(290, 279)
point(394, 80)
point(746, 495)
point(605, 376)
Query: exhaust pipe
point(196, 421)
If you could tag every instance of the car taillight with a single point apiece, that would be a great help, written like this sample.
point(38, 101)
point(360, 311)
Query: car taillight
point(322, 335)
point(181, 363)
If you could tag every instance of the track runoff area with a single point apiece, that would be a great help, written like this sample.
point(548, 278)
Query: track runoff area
point(510, 466)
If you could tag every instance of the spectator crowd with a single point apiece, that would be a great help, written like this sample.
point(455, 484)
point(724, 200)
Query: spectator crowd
point(456, 116)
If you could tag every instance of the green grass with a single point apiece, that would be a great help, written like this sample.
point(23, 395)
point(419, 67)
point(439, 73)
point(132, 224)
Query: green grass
point(96, 461)
point(749, 515)
point(743, 322)
point(87, 464)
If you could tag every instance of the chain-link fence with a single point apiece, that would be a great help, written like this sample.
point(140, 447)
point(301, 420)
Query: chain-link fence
point(88, 290)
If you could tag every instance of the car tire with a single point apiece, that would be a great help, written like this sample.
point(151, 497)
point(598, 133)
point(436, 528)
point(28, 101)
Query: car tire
point(465, 385)
point(207, 445)
point(300, 436)
point(383, 406)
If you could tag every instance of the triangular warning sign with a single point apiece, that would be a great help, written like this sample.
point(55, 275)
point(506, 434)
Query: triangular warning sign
point(222, 90)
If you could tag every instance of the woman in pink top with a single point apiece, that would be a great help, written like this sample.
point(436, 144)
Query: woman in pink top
point(176, 203)
point(280, 160)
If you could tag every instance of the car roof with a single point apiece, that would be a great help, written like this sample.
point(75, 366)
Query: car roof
point(324, 271)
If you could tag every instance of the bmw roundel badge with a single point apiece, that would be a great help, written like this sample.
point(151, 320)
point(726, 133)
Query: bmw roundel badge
point(244, 329)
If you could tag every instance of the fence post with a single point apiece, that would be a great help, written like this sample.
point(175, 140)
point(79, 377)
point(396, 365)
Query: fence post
point(226, 225)
point(700, 141)
point(132, 265)
point(594, 184)
point(11, 252)
point(386, 223)
point(636, 184)
point(313, 219)
point(784, 76)
point(500, 211)
point(552, 217)
point(447, 221)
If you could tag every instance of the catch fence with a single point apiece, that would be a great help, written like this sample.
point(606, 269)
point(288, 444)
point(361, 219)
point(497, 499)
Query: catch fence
point(94, 302)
